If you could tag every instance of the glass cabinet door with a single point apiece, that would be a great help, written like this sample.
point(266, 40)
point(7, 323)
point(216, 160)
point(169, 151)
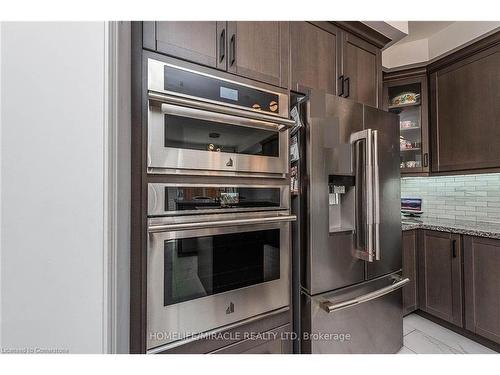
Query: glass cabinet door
point(406, 101)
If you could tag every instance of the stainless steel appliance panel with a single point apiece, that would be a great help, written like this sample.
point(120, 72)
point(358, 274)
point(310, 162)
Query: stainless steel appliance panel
point(156, 83)
point(370, 313)
point(175, 117)
point(158, 201)
point(353, 230)
point(177, 321)
point(389, 194)
point(329, 261)
point(162, 159)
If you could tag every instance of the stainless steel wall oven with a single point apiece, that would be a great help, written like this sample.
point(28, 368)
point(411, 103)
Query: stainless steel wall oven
point(217, 254)
point(202, 124)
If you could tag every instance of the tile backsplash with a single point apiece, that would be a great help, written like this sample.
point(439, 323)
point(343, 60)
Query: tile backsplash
point(468, 197)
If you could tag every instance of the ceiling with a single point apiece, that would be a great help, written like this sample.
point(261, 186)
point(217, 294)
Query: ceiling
point(423, 29)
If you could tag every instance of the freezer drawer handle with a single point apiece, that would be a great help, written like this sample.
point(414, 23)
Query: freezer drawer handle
point(219, 223)
point(329, 306)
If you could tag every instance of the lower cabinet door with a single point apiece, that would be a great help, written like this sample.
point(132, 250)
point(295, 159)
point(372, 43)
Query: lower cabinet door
point(440, 276)
point(276, 341)
point(410, 295)
point(482, 286)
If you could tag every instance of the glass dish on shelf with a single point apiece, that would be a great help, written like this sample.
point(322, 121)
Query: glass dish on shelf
point(407, 145)
point(408, 124)
point(411, 164)
point(405, 98)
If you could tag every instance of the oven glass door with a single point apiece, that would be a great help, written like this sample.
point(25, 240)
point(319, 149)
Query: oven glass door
point(202, 279)
point(182, 138)
point(197, 267)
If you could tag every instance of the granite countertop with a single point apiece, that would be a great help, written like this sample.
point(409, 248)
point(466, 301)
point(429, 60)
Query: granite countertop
point(471, 228)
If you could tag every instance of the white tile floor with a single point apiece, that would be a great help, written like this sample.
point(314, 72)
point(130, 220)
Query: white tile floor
point(421, 336)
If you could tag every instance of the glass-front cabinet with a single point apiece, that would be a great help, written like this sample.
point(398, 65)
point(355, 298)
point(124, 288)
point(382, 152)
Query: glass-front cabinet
point(406, 96)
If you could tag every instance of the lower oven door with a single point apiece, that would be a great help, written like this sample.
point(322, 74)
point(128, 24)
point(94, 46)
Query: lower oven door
point(190, 140)
point(205, 278)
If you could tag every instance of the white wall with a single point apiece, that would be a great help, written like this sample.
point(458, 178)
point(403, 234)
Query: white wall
point(447, 40)
point(458, 34)
point(53, 186)
point(413, 52)
point(121, 288)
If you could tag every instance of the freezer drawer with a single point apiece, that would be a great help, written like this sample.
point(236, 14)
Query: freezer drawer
point(366, 318)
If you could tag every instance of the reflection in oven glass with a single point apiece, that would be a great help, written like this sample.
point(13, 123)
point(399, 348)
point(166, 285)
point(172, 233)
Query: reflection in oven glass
point(202, 266)
point(187, 198)
point(196, 134)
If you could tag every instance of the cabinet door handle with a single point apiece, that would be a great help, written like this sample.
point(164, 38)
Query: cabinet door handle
point(454, 248)
point(232, 50)
point(341, 79)
point(426, 159)
point(348, 81)
point(222, 45)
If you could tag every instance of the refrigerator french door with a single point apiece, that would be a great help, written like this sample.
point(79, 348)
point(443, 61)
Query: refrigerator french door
point(350, 267)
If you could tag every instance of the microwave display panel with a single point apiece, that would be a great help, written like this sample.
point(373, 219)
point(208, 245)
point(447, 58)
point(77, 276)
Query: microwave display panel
point(201, 86)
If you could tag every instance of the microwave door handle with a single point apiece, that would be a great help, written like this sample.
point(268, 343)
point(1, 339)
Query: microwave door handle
point(367, 252)
point(197, 107)
point(217, 117)
point(155, 228)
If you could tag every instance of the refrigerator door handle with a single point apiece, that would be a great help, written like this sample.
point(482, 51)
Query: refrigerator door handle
point(330, 306)
point(367, 252)
point(376, 196)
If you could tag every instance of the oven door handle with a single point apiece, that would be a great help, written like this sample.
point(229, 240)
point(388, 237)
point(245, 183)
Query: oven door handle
point(220, 223)
point(213, 112)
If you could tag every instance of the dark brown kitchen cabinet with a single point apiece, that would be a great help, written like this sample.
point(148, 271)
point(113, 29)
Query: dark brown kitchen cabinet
point(410, 295)
point(465, 110)
point(440, 276)
point(333, 60)
point(361, 71)
point(259, 50)
point(314, 56)
point(255, 50)
point(405, 94)
point(196, 41)
point(482, 286)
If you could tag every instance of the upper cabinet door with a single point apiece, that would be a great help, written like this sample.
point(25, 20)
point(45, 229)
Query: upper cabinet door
point(465, 113)
point(313, 57)
point(194, 41)
point(362, 71)
point(259, 51)
point(413, 118)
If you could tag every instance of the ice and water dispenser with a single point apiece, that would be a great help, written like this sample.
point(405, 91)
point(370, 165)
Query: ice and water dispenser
point(341, 194)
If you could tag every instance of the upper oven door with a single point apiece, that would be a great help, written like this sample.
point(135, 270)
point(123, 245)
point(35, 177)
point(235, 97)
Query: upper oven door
point(202, 277)
point(201, 124)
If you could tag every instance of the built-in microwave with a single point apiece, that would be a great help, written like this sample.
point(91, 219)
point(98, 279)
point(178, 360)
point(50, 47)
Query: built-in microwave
point(207, 124)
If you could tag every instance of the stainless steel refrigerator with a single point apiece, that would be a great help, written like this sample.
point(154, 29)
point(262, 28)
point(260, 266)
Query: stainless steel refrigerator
point(347, 242)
